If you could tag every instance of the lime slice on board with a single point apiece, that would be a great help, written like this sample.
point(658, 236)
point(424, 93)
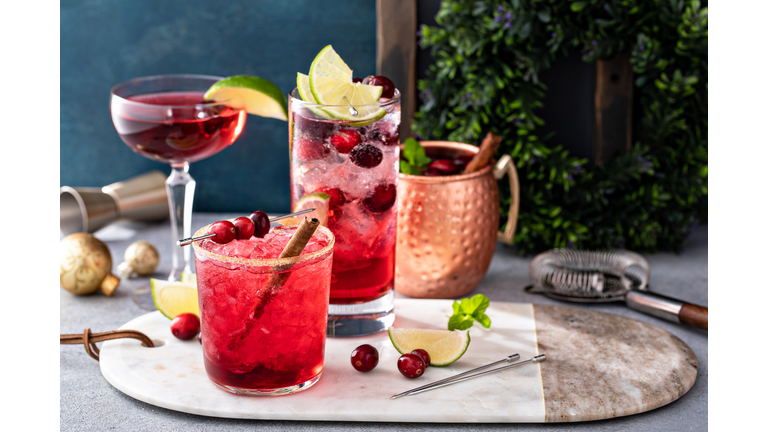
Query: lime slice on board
point(320, 201)
point(444, 346)
point(255, 95)
point(174, 298)
point(330, 81)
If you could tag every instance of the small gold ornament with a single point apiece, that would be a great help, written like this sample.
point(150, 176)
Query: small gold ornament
point(85, 265)
point(141, 258)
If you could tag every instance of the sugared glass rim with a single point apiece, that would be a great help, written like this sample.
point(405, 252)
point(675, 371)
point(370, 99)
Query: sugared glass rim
point(296, 98)
point(125, 100)
point(266, 262)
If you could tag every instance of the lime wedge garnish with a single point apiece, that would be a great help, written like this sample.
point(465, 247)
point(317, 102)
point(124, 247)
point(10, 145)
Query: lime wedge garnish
point(255, 95)
point(302, 83)
point(320, 201)
point(330, 81)
point(174, 298)
point(443, 346)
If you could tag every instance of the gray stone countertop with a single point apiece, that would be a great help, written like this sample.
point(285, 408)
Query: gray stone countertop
point(89, 403)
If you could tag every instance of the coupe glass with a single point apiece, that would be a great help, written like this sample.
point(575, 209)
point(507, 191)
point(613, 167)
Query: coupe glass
point(166, 118)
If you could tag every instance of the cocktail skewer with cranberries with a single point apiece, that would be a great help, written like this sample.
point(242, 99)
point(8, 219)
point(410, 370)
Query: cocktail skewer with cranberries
point(257, 224)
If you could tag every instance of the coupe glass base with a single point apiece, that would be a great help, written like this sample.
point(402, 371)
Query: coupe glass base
point(270, 392)
point(351, 320)
point(142, 296)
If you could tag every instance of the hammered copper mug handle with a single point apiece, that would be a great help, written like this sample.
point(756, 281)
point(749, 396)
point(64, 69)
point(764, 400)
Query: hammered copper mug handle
point(506, 166)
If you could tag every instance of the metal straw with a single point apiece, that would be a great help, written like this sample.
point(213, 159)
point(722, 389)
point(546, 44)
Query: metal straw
point(188, 241)
point(464, 377)
point(511, 358)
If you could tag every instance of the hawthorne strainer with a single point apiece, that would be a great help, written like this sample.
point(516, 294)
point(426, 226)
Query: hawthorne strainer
point(605, 276)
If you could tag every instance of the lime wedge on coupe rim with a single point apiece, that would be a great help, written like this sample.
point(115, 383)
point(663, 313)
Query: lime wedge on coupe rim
point(174, 298)
point(255, 95)
point(320, 201)
point(330, 82)
point(443, 346)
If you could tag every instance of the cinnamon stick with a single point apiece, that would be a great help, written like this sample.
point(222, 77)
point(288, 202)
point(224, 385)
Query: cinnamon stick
point(293, 249)
point(484, 156)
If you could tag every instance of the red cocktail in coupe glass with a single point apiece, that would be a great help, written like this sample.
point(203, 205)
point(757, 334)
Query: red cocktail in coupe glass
point(264, 318)
point(166, 118)
point(356, 165)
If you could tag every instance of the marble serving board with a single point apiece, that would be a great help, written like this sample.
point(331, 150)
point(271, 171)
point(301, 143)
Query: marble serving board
point(598, 366)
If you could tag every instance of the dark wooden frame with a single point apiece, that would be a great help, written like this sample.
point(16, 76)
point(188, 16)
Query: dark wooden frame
point(396, 45)
point(396, 53)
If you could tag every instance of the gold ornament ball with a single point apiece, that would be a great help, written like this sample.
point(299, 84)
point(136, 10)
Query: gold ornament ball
point(85, 265)
point(142, 258)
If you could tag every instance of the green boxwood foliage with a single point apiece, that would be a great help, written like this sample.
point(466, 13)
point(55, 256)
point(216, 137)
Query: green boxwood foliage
point(489, 55)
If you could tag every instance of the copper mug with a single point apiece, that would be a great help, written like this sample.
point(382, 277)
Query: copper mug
point(447, 227)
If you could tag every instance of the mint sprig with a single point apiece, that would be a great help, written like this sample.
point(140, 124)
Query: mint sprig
point(415, 156)
point(469, 310)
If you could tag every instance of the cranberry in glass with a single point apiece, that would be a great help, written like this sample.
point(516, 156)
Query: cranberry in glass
point(366, 156)
point(385, 138)
point(337, 198)
point(261, 223)
point(305, 123)
point(389, 86)
point(411, 365)
point(357, 80)
point(185, 326)
point(382, 199)
point(225, 231)
point(364, 358)
point(424, 356)
point(431, 172)
point(345, 140)
point(244, 227)
point(309, 150)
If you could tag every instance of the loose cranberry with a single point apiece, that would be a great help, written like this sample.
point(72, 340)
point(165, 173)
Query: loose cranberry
point(364, 358)
point(445, 165)
point(366, 156)
point(309, 150)
point(386, 138)
point(345, 140)
point(411, 365)
point(432, 172)
point(225, 231)
point(356, 80)
point(337, 198)
point(389, 86)
point(261, 223)
point(244, 227)
point(185, 326)
point(424, 356)
point(462, 161)
point(382, 199)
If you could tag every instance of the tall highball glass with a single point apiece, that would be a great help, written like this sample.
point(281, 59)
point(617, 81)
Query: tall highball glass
point(356, 164)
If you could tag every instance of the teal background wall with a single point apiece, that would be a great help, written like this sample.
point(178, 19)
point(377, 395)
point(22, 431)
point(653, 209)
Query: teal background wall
point(104, 42)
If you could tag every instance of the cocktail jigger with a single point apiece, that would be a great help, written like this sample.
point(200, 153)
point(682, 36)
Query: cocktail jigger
point(88, 209)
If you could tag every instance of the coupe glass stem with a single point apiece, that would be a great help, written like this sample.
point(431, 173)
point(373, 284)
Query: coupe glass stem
point(181, 192)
